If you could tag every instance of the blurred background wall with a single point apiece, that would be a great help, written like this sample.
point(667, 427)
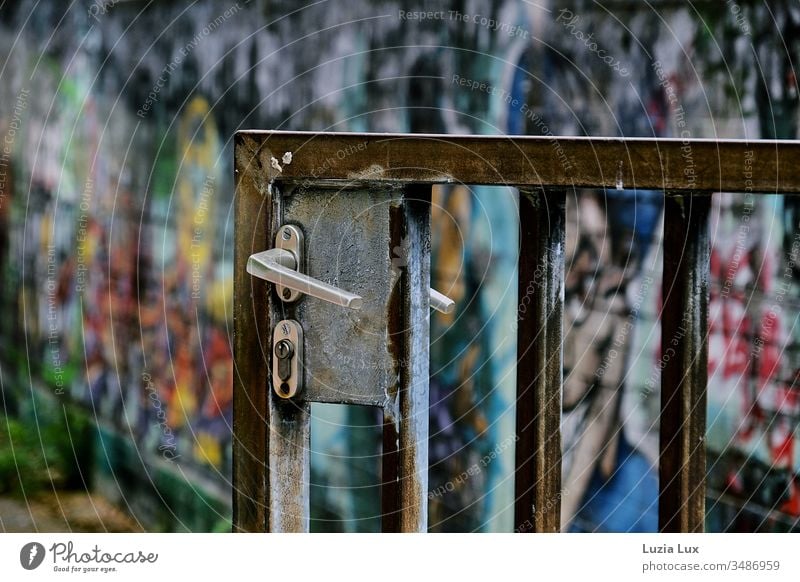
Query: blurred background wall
point(116, 195)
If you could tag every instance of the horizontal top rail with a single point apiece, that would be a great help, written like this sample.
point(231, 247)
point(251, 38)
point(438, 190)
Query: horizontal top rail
point(693, 165)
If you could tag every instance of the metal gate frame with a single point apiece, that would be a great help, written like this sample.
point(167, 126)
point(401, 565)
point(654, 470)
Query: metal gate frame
point(270, 450)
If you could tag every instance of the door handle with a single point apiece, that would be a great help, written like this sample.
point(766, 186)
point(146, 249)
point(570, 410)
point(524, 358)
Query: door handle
point(279, 266)
point(441, 302)
point(282, 266)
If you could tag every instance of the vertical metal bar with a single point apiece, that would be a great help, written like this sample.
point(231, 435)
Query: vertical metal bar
point(289, 465)
point(404, 489)
point(289, 438)
point(539, 361)
point(390, 476)
point(684, 362)
point(251, 345)
point(271, 467)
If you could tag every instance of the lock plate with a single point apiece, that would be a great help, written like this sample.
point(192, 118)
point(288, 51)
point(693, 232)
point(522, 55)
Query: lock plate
point(360, 240)
point(287, 359)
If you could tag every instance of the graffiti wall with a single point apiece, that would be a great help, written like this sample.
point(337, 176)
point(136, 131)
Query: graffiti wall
point(117, 191)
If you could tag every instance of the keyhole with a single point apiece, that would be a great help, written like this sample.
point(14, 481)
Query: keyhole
point(284, 350)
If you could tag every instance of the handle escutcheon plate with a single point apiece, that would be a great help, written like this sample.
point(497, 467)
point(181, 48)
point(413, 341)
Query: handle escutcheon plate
point(290, 238)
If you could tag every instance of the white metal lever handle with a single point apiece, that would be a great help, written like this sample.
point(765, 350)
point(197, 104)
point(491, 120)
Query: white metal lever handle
point(279, 266)
point(441, 302)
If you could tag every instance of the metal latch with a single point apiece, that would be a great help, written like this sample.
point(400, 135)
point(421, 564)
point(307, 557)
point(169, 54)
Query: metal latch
point(284, 267)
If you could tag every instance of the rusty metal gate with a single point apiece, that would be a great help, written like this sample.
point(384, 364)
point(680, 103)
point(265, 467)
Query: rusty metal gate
point(317, 298)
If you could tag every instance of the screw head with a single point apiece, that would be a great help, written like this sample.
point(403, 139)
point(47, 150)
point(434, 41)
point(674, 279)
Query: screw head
point(287, 293)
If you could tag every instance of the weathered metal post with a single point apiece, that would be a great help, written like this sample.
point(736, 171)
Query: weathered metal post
point(539, 360)
point(684, 358)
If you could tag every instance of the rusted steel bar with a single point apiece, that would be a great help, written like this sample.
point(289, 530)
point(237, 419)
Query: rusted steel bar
point(390, 477)
point(684, 362)
point(289, 437)
point(404, 482)
point(539, 361)
point(660, 164)
point(271, 437)
point(289, 465)
point(251, 348)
